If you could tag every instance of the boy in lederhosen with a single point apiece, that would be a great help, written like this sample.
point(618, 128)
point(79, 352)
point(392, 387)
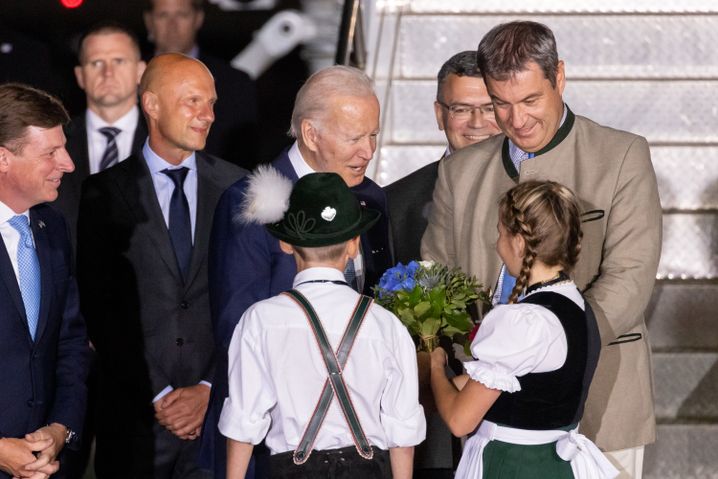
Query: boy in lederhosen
point(327, 378)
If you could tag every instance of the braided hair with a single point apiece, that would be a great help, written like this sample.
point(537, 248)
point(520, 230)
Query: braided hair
point(547, 215)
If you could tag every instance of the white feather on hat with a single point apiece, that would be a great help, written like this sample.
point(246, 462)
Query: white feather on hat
point(267, 196)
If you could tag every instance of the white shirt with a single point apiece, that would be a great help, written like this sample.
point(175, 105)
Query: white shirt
point(276, 372)
point(301, 168)
point(10, 235)
point(97, 142)
point(517, 339)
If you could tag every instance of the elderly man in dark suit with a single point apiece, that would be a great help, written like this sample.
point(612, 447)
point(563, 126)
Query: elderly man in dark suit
point(172, 26)
point(335, 123)
point(143, 235)
point(465, 114)
point(44, 347)
point(109, 70)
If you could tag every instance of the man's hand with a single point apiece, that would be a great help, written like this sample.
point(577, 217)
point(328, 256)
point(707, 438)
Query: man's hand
point(49, 441)
point(182, 411)
point(17, 456)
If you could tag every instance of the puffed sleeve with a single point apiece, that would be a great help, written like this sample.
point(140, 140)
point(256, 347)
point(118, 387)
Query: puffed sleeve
point(514, 340)
point(402, 417)
point(245, 414)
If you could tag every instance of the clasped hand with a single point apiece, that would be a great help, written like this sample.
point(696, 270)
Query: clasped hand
point(182, 411)
point(35, 455)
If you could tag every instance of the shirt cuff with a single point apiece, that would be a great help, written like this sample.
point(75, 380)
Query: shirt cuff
point(206, 383)
point(492, 376)
point(405, 431)
point(242, 426)
point(163, 393)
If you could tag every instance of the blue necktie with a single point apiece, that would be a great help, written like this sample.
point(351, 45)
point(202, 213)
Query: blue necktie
point(509, 281)
point(28, 267)
point(111, 154)
point(180, 227)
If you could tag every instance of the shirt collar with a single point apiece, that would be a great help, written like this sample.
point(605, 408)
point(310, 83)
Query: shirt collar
point(126, 122)
point(318, 273)
point(517, 154)
point(6, 213)
point(156, 164)
point(301, 167)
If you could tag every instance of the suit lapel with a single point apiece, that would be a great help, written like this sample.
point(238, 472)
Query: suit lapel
point(42, 247)
point(208, 193)
point(146, 209)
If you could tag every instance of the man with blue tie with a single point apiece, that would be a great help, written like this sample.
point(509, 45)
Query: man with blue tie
point(44, 347)
point(143, 233)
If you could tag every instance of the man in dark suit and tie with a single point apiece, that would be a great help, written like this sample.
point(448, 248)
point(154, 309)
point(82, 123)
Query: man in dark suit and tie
point(112, 127)
point(143, 235)
point(172, 26)
point(43, 364)
point(335, 122)
point(465, 114)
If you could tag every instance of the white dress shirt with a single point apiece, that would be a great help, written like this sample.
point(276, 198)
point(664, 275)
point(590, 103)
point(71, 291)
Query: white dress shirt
point(276, 372)
point(97, 142)
point(10, 235)
point(517, 339)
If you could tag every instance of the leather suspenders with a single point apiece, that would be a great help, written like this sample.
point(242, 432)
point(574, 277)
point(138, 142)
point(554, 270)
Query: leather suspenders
point(334, 385)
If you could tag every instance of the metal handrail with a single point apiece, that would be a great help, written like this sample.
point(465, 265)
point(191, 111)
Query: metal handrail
point(351, 32)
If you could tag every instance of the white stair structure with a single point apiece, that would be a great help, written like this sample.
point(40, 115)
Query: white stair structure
point(645, 66)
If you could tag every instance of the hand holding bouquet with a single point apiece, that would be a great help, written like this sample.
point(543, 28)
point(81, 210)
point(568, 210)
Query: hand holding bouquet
point(430, 299)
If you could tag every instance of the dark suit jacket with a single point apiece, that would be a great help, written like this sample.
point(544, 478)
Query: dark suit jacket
point(42, 381)
point(233, 135)
point(409, 206)
point(68, 199)
point(149, 327)
point(246, 265)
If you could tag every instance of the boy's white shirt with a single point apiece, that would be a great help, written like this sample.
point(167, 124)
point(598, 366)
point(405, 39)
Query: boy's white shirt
point(276, 372)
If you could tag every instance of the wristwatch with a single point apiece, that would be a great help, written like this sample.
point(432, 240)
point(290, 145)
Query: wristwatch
point(70, 436)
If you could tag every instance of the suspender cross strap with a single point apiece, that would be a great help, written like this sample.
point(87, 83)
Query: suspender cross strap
point(334, 385)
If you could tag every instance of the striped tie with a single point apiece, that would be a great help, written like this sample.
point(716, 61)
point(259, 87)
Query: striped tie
point(28, 268)
point(111, 155)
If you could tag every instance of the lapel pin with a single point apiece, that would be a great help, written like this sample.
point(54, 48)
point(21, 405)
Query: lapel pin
point(41, 224)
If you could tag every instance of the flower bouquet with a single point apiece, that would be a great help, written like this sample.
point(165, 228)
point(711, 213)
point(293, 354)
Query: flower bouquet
point(431, 300)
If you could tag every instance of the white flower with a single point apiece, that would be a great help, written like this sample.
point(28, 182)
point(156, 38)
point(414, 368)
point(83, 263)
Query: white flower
point(426, 264)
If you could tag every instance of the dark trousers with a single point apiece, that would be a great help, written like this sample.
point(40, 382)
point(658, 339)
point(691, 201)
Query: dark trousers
point(345, 463)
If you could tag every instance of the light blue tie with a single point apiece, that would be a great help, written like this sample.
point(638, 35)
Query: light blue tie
point(28, 268)
point(508, 282)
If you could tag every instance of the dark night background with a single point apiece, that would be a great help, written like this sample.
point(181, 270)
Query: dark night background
point(52, 32)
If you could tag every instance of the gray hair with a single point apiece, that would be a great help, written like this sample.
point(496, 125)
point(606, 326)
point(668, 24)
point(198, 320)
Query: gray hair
point(462, 64)
point(507, 48)
point(314, 97)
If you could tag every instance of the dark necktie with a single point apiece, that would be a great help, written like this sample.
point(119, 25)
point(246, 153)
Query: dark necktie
point(350, 275)
point(28, 268)
point(180, 227)
point(111, 155)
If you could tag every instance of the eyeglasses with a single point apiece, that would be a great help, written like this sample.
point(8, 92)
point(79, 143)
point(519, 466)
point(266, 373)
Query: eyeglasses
point(462, 111)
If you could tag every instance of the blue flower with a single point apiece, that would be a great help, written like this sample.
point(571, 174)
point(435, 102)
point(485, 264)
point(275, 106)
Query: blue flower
point(398, 278)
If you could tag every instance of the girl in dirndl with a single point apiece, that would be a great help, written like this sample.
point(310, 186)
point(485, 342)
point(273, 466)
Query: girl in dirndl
point(523, 394)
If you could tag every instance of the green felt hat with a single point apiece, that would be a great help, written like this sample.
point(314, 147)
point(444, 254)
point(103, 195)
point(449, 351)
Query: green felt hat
point(322, 211)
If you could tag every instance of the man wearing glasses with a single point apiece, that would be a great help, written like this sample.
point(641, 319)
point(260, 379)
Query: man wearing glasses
point(466, 116)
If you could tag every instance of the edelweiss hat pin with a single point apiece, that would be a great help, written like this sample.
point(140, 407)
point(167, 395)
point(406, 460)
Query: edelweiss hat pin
point(322, 211)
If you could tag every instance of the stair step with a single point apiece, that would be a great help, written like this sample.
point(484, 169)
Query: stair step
point(686, 386)
point(683, 452)
point(683, 316)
